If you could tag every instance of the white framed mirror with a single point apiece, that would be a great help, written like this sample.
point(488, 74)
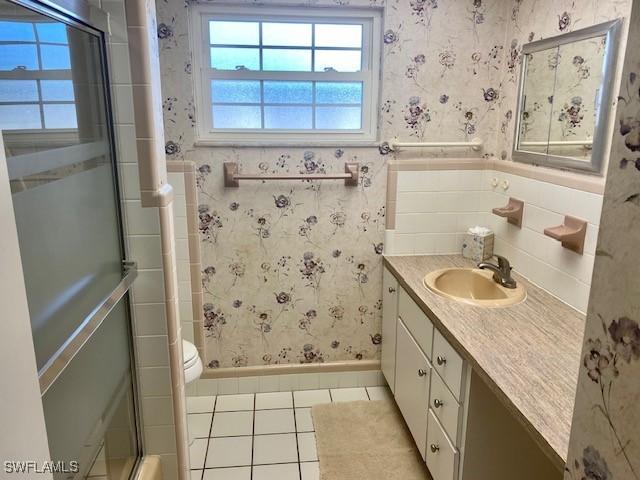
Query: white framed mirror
point(564, 82)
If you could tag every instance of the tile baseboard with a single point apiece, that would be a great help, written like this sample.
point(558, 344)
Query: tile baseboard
point(287, 382)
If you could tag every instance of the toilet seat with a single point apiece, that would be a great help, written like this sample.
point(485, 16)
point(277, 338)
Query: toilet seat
point(191, 362)
point(189, 354)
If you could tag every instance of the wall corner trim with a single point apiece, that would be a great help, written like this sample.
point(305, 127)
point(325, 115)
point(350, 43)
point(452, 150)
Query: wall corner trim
point(161, 197)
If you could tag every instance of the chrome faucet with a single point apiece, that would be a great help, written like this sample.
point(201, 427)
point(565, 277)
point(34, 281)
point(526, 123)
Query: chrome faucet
point(501, 272)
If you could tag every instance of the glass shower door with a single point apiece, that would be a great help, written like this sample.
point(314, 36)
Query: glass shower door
point(54, 117)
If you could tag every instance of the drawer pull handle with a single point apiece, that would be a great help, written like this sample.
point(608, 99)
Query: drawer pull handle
point(441, 360)
point(421, 372)
point(392, 290)
point(437, 403)
point(434, 448)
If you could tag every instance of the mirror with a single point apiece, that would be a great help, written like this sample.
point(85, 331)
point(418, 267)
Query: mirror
point(563, 83)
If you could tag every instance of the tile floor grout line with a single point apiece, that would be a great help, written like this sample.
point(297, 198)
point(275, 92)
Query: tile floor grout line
point(256, 435)
point(295, 427)
point(253, 434)
point(206, 452)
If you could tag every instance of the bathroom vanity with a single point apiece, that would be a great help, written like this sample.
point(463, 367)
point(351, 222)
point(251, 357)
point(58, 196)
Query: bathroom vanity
point(487, 393)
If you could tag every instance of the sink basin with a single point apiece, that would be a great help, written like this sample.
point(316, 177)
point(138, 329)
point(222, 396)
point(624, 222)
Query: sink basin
point(473, 286)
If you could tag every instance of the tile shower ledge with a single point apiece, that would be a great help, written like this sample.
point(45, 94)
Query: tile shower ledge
point(528, 354)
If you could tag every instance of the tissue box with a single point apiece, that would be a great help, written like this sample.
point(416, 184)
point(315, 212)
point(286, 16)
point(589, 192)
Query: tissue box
point(478, 244)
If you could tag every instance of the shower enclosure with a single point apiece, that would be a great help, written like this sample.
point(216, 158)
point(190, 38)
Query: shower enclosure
point(57, 129)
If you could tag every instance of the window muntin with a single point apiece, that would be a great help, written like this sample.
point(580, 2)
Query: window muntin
point(271, 77)
point(285, 46)
point(286, 105)
point(39, 51)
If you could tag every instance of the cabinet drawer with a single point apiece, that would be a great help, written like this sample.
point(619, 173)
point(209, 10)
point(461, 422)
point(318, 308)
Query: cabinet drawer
point(445, 407)
point(412, 385)
point(442, 456)
point(449, 364)
point(389, 321)
point(416, 321)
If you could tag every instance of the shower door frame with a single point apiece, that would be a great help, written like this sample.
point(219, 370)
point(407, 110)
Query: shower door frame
point(83, 16)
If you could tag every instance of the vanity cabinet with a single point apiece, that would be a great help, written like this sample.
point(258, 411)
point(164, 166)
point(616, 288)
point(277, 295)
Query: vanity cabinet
point(389, 319)
point(462, 430)
point(429, 380)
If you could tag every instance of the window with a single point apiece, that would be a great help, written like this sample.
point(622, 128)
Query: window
point(36, 89)
point(286, 75)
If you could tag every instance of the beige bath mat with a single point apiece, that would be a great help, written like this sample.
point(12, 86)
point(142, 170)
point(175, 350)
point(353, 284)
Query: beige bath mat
point(365, 441)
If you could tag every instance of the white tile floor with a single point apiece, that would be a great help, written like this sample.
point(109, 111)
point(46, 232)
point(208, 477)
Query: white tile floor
point(266, 436)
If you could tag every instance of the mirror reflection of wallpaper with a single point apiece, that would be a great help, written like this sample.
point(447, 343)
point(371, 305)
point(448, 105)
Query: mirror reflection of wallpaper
point(561, 89)
point(532, 20)
point(538, 97)
point(578, 83)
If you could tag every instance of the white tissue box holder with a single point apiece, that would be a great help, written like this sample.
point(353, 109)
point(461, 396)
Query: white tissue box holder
point(477, 247)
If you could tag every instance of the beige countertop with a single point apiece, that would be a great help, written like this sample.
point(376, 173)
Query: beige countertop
point(528, 354)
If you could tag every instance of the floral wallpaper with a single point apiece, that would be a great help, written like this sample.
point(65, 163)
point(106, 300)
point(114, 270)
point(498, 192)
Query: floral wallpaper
point(604, 442)
point(292, 271)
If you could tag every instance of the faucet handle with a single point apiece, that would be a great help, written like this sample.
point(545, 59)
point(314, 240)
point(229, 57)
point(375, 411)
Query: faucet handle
point(503, 263)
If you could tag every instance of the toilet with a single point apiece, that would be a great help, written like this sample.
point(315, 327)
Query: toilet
point(192, 362)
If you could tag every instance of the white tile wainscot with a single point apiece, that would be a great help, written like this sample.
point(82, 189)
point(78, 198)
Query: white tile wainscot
point(286, 382)
point(434, 208)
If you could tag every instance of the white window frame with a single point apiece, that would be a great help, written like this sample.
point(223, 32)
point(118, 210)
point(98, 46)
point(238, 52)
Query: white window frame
point(60, 134)
point(206, 135)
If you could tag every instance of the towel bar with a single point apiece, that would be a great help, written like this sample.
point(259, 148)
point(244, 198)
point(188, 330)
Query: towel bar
point(232, 176)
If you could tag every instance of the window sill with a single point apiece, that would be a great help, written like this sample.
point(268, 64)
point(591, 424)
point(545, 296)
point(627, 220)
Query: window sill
point(287, 143)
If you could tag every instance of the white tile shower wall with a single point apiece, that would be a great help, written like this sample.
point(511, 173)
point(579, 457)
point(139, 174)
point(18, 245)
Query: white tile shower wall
point(176, 180)
point(287, 382)
point(435, 208)
point(142, 237)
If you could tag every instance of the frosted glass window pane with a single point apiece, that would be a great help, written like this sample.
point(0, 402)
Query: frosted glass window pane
point(234, 33)
point(235, 116)
point(286, 34)
point(287, 117)
point(235, 58)
point(288, 92)
point(60, 116)
point(57, 90)
point(338, 60)
point(339, 92)
point(52, 32)
point(18, 91)
point(235, 91)
point(55, 57)
point(18, 117)
point(283, 60)
point(338, 118)
point(14, 56)
point(338, 36)
point(21, 31)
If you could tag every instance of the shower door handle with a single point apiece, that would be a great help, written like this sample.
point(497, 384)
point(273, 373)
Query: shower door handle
point(68, 350)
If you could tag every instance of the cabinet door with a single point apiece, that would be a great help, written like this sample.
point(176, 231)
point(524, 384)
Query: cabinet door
point(389, 320)
point(412, 385)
